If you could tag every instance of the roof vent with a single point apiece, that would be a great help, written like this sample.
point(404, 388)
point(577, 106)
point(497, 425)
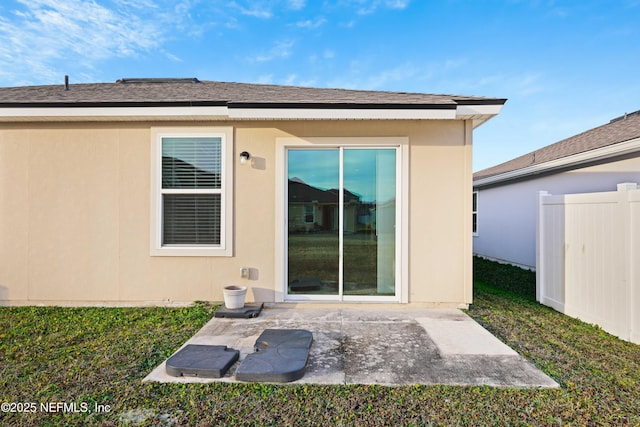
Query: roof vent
point(159, 80)
point(66, 82)
point(624, 117)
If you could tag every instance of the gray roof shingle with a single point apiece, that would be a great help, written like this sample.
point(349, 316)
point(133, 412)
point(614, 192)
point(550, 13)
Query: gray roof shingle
point(157, 92)
point(618, 130)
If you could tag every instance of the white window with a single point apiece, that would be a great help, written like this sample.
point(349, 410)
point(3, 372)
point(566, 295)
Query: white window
point(191, 192)
point(474, 213)
point(309, 216)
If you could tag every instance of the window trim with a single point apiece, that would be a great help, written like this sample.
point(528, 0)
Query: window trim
point(312, 213)
point(474, 213)
point(225, 248)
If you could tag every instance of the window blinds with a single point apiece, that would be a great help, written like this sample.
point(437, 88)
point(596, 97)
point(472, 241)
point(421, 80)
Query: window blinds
point(191, 219)
point(191, 163)
point(191, 190)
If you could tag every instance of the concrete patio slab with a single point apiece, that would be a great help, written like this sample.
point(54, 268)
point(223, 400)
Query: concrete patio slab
point(375, 345)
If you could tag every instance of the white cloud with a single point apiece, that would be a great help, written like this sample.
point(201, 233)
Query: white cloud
point(281, 49)
point(528, 84)
point(290, 80)
point(265, 79)
point(263, 9)
point(172, 57)
point(359, 76)
point(257, 13)
point(136, 4)
point(365, 7)
point(256, 9)
point(325, 56)
point(45, 35)
point(397, 4)
point(348, 24)
point(311, 24)
point(385, 78)
point(297, 4)
point(518, 84)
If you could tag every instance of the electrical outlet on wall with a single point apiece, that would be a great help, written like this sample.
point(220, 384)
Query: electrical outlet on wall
point(244, 272)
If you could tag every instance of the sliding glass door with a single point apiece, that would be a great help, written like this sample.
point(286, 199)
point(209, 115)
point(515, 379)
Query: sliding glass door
point(313, 241)
point(341, 223)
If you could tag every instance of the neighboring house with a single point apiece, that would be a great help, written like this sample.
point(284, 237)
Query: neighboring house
point(505, 196)
point(158, 191)
point(312, 209)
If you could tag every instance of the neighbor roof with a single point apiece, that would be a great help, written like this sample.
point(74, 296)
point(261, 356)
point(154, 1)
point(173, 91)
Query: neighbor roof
point(241, 100)
point(621, 136)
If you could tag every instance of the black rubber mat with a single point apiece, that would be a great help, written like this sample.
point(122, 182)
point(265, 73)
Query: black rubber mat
point(246, 312)
point(207, 361)
point(281, 355)
point(304, 284)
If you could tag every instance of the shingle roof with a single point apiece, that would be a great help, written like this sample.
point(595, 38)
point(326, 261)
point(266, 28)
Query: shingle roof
point(192, 92)
point(301, 192)
point(618, 130)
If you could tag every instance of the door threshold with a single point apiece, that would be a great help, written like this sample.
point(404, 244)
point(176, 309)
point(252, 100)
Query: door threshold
point(363, 305)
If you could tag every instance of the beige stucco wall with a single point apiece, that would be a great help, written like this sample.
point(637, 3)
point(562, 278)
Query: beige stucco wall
point(75, 213)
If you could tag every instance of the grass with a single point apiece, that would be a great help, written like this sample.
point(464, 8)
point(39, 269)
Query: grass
point(316, 255)
point(100, 355)
point(506, 277)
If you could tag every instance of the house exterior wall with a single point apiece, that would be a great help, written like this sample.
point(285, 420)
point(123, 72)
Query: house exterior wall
point(507, 214)
point(75, 213)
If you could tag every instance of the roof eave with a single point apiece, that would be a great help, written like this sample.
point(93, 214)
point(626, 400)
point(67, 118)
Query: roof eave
point(571, 162)
point(123, 113)
point(478, 113)
point(343, 113)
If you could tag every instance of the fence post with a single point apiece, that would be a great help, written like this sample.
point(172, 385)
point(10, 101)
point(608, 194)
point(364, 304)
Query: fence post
point(625, 217)
point(540, 246)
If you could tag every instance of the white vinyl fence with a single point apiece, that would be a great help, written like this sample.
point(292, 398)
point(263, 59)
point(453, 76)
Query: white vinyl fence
point(588, 258)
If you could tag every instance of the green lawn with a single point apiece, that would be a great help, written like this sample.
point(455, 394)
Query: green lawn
point(315, 255)
point(90, 356)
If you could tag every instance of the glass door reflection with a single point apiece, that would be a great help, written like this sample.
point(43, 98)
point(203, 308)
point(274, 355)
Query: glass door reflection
point(313, 241)
point(369, 208)
point(341, 222)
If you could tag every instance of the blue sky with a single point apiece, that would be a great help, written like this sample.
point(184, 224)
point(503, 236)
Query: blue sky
point(565, 66)
point(369, 173)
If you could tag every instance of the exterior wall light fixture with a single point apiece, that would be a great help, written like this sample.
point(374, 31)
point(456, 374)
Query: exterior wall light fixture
point(244, 157)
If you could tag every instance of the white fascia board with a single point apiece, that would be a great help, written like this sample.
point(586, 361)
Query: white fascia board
point(53, 113)
point(464, 111)
point(479, 114)
point(613, 150)
point(340, 114)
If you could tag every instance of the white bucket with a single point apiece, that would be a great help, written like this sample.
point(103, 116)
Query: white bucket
point(234, 296)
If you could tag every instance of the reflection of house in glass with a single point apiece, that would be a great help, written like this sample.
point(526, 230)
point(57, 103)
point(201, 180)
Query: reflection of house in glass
point(177, 173)
point(313, 209)
point(367, 245)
